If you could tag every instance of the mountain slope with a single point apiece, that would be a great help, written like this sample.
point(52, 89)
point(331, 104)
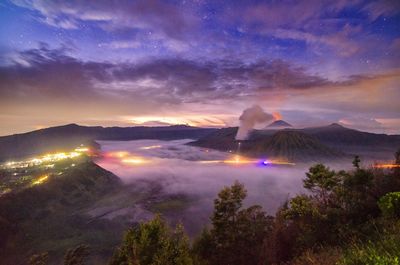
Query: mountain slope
point(295, 146)
point(291, 145)
point(48, 217)
point(370, 146)
point(336, 134)
point(222, 139)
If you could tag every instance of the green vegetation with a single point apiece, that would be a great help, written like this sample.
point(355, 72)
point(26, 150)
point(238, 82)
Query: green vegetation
point(172, 204)
point(153, 243)
point(390, 204)
point(76, 256)
point(383, 252)
point(237, 234)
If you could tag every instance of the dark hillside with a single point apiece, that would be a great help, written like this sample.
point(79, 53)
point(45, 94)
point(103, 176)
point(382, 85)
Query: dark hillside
point(46, 216)
point(292, 145)
point(295, 146)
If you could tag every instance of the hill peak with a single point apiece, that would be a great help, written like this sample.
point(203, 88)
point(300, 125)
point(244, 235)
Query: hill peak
point(279, 124)
point(336, 125)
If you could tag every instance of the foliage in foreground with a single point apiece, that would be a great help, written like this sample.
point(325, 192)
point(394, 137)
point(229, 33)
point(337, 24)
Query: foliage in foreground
point(153, 243)
point(383, 251)
point(237, 233)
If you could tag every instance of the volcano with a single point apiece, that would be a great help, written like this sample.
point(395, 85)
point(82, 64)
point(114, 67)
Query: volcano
point(317, 144)
point(279, 124)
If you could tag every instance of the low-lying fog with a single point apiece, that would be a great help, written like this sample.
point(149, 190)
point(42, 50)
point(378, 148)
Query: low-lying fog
point(180, 170)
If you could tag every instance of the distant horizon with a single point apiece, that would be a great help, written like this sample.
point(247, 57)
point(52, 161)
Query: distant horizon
point(262, 127)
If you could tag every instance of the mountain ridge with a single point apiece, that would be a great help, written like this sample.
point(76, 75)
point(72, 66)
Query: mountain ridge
point(329, 142)
point(70, 136)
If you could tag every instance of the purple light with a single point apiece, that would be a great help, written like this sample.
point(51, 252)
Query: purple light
point(266, 163)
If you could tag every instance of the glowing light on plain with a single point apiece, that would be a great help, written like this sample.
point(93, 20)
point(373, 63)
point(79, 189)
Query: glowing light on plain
point(150, 147)
point(134, 160)
point(40, 180)
point(119, 154)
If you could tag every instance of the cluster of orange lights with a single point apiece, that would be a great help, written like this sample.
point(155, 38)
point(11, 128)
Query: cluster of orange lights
point(117, 154)
point(127, 158)
point(150, 147)
point(40, 180)
point(387, 166)
point(46, 159)
point(240, 160)
point(233, 160)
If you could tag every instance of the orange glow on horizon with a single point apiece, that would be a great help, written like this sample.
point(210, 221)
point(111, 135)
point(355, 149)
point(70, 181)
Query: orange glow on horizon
point(237, 160)
point(195, 120)
point(387, 166)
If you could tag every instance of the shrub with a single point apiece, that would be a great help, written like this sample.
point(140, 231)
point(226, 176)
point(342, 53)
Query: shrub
point(390, 204)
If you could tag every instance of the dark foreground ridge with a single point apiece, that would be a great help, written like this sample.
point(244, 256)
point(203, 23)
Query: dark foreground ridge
point(48, 215)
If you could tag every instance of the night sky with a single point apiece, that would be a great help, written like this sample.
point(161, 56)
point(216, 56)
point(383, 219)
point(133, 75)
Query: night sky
point(200, 63)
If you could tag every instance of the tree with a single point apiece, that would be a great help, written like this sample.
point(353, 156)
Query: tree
point(321, 180)
point(306, 216)
point(39, 259)
point(153, 243)
point(356, 162)
point(357, 196)
point(76, 256)
point(226, 208)
point(396, 170)
point(397, 157)
point(280, 243)
point(237, 234)
point(301, 206)
point(390, 204)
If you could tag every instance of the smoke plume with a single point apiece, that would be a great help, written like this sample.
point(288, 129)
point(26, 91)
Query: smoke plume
point(277, 116)
point(249, 118)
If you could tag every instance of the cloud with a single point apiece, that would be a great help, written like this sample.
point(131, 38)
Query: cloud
point(158, 27)
point(150, 15)
point(341, 41)
point(126, 44)
point(285, 14)
point(321, 25)
point(45, 72)
point(375, 9)
point(361, 123)
point(50, 73)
